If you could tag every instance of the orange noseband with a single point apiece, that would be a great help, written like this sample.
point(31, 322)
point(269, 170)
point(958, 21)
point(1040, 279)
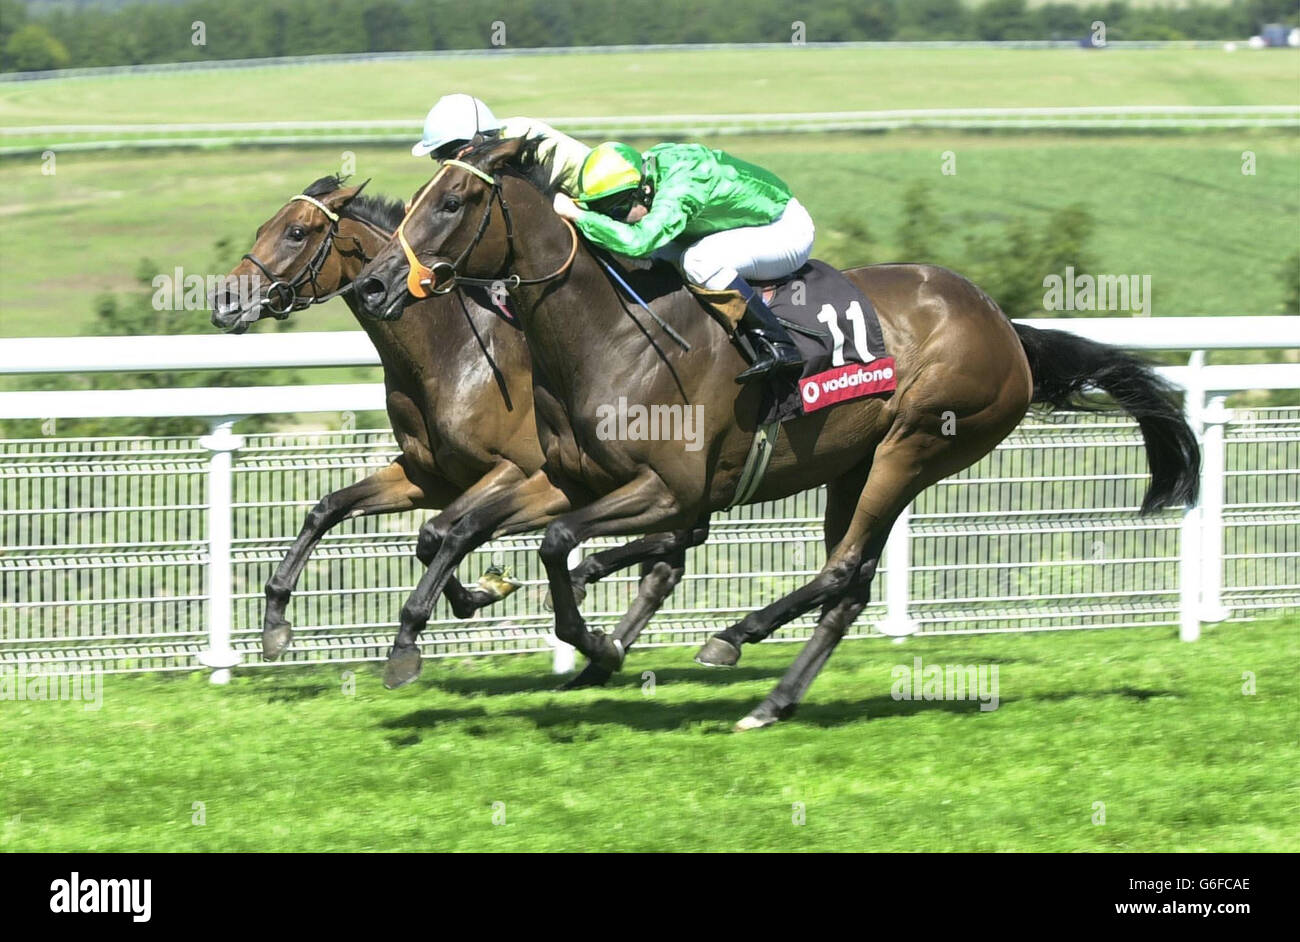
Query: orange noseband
point(420, 280)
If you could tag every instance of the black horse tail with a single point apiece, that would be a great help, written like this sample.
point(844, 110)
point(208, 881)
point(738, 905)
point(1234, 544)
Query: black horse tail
point(1064, 365)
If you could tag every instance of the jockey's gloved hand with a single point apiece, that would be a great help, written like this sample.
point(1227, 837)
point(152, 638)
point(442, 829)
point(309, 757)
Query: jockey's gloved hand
point(566, 207)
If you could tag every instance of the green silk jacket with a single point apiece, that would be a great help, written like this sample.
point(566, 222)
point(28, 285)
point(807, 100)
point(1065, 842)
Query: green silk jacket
point(697, 191)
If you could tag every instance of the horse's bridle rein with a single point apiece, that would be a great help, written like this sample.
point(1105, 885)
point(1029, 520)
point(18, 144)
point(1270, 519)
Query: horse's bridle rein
point(424, 281)
point(282, 297)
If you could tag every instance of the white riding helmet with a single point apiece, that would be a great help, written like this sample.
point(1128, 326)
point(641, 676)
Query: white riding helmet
point(454, 118)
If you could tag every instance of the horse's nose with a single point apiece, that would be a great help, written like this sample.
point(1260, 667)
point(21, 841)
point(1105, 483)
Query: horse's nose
point(373, 292)
point(223, 305)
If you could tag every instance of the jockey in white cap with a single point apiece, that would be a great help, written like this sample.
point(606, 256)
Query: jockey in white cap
point(456, 120)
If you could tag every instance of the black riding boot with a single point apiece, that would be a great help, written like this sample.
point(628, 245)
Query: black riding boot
point(774, 352)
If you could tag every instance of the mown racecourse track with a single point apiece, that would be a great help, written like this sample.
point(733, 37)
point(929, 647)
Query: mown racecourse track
point(289, 760)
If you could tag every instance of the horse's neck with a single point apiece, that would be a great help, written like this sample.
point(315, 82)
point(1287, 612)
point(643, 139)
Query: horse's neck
point(554, 313)
point(401, 344)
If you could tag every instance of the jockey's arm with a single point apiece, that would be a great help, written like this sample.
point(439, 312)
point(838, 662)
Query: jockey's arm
point(665, 222)
point(561, 154)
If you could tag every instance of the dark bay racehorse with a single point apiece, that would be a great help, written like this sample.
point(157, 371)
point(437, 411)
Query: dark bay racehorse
point(966, 376)
point(459, 397)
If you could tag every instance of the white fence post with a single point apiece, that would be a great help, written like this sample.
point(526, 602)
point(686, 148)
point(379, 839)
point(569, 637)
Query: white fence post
point(564, 656)
point(898, 571)
point(1190, 536)
point(219, 655)
point(1214, 454)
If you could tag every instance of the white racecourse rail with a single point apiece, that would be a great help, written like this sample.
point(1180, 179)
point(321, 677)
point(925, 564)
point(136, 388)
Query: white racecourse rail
point(64, 138)
point(151, 553)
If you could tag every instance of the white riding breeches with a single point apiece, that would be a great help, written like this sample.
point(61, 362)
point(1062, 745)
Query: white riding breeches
point(752, 252)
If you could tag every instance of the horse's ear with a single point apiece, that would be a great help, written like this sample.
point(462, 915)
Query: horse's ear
point(504, 152)
point(341, 197)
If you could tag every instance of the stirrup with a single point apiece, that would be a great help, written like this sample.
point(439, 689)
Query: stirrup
point(771, 362)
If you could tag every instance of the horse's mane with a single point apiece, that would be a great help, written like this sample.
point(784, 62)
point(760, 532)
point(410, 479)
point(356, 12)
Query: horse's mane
point(377, 210)
point(525, 165)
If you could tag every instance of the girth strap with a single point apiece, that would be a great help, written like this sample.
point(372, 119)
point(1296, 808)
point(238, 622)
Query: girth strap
point(756, 462)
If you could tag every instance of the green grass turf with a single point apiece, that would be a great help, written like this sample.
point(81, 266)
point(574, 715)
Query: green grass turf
point(696, 82)
point(1158, 731)
point(1175, 207)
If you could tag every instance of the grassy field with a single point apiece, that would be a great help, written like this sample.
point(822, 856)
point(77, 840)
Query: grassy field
point(1173, 206)
point(1158, 731)
point(672, 83)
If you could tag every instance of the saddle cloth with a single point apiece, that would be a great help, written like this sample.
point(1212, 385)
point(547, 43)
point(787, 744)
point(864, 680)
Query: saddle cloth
point(836, 329)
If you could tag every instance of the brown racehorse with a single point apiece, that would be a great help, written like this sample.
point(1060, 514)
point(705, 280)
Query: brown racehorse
point(459, 396)
point(966, 376)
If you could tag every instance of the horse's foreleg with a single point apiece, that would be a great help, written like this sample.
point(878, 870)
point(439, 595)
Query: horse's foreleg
point(658, 580)
point(502, 477)
point(387, 491)
point(648, 549)
point(640, 505)
point(535, 500)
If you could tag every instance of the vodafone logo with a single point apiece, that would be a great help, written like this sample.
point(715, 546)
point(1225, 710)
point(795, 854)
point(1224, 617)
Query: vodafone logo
point(858, 377)
point(847, 382)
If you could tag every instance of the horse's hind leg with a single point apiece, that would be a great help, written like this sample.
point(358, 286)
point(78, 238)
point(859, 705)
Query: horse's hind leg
point(831, 628)
point(914, 455)
point(842, 496)
point(389, 490)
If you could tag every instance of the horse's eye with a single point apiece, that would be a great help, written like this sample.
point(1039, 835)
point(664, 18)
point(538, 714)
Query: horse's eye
point(297, 233)
point(451, 204)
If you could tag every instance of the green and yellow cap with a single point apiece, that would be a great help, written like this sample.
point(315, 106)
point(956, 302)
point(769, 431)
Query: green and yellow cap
point(610, 168)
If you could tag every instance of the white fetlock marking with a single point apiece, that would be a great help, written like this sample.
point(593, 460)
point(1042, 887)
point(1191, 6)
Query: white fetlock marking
point(750, 722)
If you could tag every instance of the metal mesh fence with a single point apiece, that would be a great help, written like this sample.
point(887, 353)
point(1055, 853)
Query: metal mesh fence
point(103, 547)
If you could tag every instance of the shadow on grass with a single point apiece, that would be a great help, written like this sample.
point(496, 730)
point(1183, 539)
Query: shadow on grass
point(550, 683)
point(559, 719)
point(291, 694)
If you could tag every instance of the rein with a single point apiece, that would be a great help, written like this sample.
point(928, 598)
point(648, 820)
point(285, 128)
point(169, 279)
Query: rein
point(423, 281)
point(282, 297)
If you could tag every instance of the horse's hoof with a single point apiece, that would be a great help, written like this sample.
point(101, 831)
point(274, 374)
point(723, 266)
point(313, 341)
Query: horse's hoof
point(275, 639)
point(404, 665)
point(718, 653)
point(765, 714)
point(609, 653)
point(497, 583)
point(593, 675)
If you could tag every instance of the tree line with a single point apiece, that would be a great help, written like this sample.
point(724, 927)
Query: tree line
point(66, 35)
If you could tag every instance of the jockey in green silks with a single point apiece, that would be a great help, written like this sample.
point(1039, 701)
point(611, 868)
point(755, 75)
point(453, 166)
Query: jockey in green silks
point(719, 219)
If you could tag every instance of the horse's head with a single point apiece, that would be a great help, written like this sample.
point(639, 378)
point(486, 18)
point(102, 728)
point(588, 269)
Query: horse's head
point(291, 259)
point(457, 226)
